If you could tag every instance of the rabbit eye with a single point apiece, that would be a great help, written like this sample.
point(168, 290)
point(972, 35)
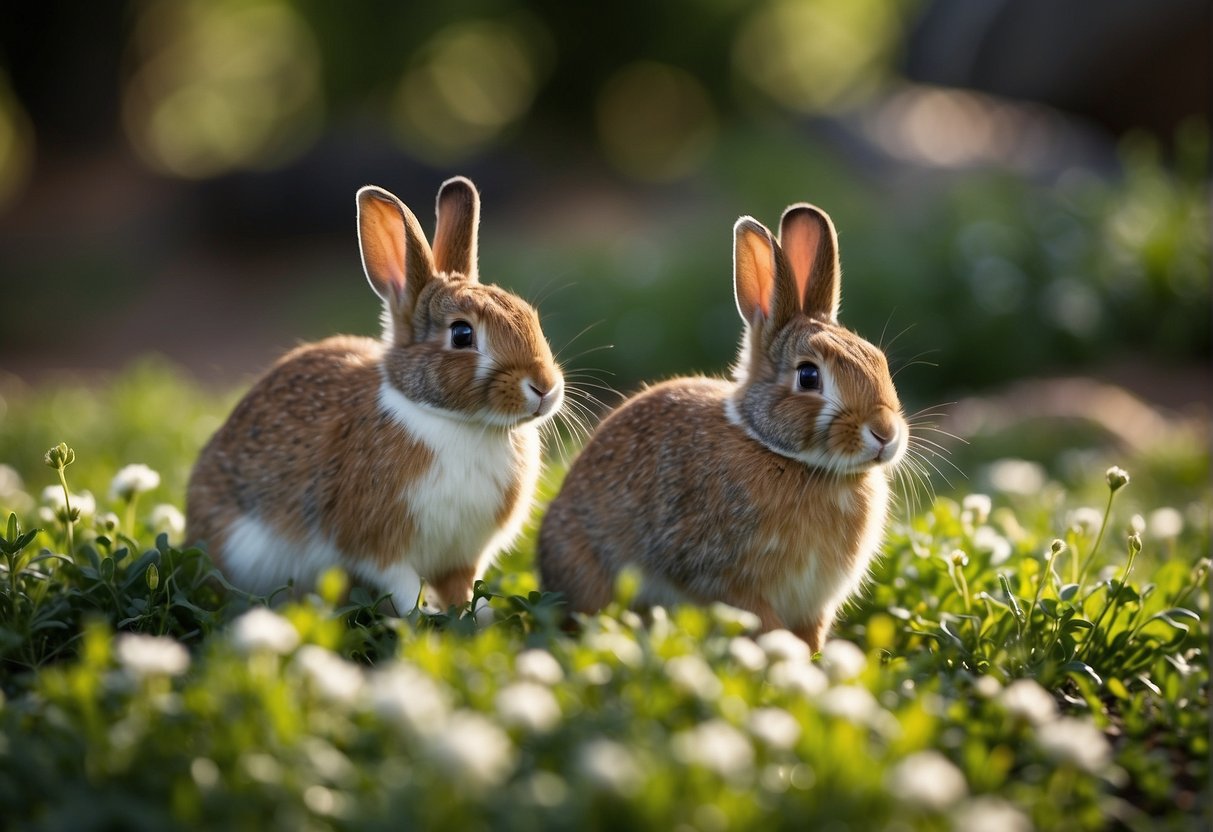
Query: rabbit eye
point(462, 335)
point(808, 377)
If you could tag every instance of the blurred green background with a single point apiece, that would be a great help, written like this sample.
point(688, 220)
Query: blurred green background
point(1021, 188)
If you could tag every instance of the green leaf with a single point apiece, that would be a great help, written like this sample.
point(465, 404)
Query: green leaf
point(1168, 617)
point(1082, 669)
point(1117, 688)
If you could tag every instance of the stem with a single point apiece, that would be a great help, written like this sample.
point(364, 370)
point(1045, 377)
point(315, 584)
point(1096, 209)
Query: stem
point(1053, 553)
point(1082, 573)
point(67, 505)
point(128, 521)
point(1113, 603)
point(964, 588)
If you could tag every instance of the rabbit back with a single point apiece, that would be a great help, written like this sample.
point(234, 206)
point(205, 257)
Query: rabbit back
point(323, 464)
point(674, 486)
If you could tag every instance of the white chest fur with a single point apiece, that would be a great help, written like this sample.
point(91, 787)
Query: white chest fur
point(456, 505)
point(827, 580)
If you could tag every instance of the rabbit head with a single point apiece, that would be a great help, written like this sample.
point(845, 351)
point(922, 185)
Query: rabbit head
point(454, 344)
point(807, 387)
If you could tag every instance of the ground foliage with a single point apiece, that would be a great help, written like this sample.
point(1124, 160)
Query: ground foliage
point(1017, 661)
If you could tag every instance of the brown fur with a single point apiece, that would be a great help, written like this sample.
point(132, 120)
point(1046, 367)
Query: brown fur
point(326, 459)
point(325, 408)
point(732, 492)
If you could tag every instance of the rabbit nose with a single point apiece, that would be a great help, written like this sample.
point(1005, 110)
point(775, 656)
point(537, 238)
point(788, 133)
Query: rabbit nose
point(883, 435)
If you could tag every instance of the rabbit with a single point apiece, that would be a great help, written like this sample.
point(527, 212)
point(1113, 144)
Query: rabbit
point(406, 459)
point(768, 492)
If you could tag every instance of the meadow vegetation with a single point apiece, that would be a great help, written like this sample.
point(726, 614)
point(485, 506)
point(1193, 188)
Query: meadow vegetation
point(1035, 657)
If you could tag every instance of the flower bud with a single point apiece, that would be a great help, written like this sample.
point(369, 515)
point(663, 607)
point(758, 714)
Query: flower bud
point(59, 457)
point(1117, 477)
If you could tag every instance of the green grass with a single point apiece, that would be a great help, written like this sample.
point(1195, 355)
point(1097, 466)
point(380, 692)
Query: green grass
point(987, 678)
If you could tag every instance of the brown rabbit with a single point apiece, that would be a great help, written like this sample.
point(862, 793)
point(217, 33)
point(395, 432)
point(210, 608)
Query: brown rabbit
point(404, 459)
point(768, 492)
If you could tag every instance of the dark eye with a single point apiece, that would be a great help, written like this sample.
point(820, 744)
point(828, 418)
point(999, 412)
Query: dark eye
point(462, 335)
point(808, 377)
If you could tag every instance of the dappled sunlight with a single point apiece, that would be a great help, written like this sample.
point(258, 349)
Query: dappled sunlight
point(217, 86)
point(816, 55)
point(951, 128)
point(16, 143)
point(655, 121)
point(466, 85)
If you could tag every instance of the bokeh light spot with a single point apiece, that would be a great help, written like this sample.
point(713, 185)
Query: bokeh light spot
point(812, 55)
point(16, 143)
point(221, 85)
point(468, 84)
point(656, 122)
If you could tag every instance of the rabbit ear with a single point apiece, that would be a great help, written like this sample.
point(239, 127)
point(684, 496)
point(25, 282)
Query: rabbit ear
point(458, 221)
point(810, 244)
point(395, 255)
point(762, 283)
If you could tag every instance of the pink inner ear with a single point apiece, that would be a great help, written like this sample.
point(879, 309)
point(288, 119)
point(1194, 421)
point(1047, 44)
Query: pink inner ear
point(756, 274)
point(800, 239)
point(383, 242)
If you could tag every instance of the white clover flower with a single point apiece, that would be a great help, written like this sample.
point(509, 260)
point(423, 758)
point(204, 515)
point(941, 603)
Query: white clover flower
point(774, 726)
point(133, 480)
point(1085, 519)
point(1165, 523)
point(987, 687)
point(1137, 525)
point(333, 677)
point(598, 673)
point(986, 539)
point(528, 705)
point(735, 618)
point(261, 767)
point(978, 507)
point(783, 644)
point(54, 505)
point(717, 746)
point(538, 666)
point(691, 674)
point(805, 679)
point(625, 649)
point(850, 702)
point(142, 655)
point(12, 491)
point(1027, 700)
point(108, 522)
point(10, 480)
point(403, 694)
point(1016, 476)
point(263, 630)
point(205, 772)
point(327, 760)
point(168, 519)
point(1077, 743)
point(610, 766)
point(843, 660)
point(746, 652)
point(472, 749)
point(929, 780)
point(544, 788)
point(989, 814)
